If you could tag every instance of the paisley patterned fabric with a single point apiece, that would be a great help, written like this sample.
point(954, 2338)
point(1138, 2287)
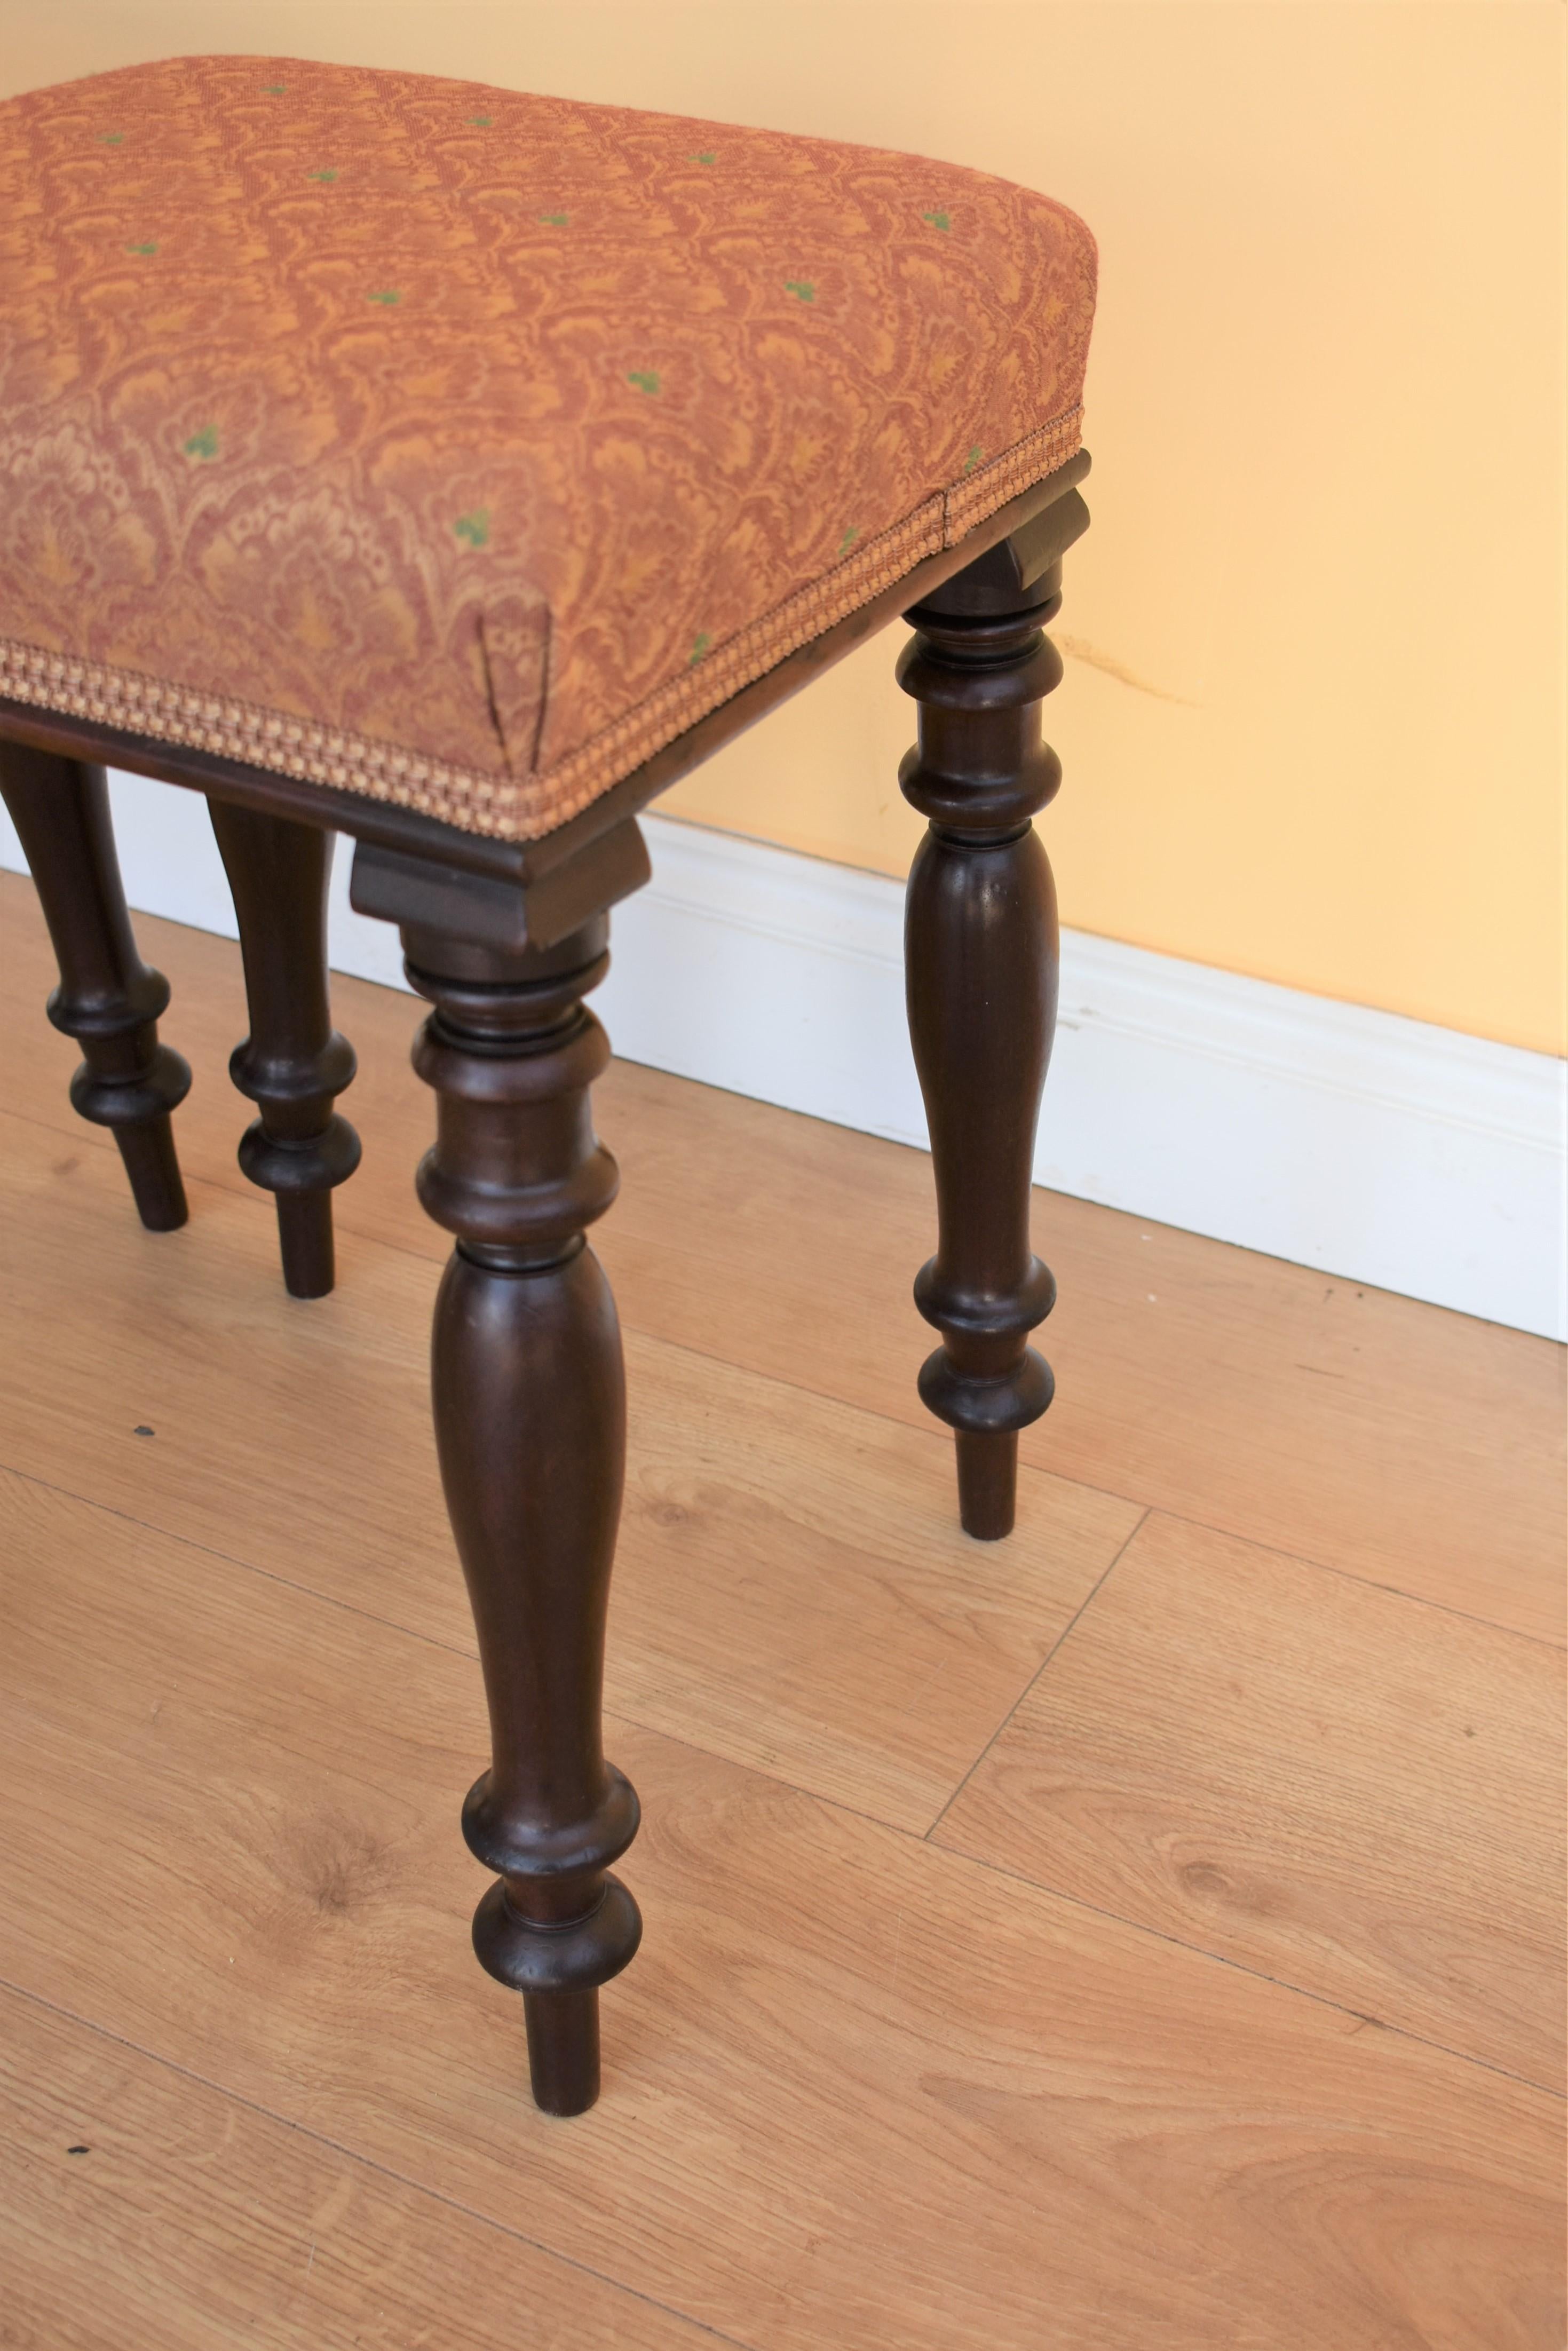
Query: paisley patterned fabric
point(461, 448)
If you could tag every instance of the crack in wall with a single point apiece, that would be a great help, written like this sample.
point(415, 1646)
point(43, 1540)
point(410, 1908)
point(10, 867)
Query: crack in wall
point(1079, 648)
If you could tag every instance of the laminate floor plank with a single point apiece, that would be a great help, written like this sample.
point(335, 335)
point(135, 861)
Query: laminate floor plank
point(791, 1587)
point(1338, 1787)
point(1416, 1448)
point(141, 2207)
point(860, 2090)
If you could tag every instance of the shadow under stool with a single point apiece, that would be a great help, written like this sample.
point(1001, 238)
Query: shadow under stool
point(454, 469)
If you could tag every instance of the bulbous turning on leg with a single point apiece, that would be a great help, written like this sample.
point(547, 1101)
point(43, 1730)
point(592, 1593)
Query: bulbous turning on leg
point(530, 1422)
point(294, 1063)
point(980, 945)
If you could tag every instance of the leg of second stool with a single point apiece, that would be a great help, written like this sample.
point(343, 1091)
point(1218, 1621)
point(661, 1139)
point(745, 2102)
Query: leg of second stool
point(294, 1063)
point(109, 1000)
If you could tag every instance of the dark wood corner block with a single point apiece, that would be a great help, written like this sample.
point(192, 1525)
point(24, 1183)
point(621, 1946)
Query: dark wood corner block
point(540, 903)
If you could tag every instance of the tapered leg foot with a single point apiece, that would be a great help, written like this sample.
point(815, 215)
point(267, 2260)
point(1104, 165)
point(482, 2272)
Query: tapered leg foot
point(988, 1484)
point(305, 1243)
point(529, 1403)
point(980, 943)
point(294, 1063)
point(148, 1153)
point(563, 2050)
point(109, 1000)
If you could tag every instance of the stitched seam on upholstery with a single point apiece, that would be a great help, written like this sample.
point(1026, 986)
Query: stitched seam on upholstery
point(493, 705)
point(501, 805)
point(544, 690)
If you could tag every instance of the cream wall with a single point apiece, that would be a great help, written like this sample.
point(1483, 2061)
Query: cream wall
point(1313, 715)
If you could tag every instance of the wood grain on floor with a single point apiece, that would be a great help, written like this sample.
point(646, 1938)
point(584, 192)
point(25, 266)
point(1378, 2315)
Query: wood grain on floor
point(184, 2219)
point(1337, 1786)
point(1143, 1932)
point(858, 2090)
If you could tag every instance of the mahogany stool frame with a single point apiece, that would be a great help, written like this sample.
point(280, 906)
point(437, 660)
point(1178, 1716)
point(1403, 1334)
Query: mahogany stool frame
point(505, 939)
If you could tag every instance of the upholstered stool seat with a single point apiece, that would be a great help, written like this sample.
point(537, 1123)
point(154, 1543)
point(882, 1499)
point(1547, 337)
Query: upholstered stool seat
point(461, 447)
point(452, 469)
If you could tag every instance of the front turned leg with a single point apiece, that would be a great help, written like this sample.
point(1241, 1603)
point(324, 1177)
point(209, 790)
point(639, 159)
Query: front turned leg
point(531, 1425)
point(980, 945)
point(107, 999)
point(294, 1064)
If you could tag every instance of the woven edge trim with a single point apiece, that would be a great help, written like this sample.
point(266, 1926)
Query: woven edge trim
point(503, 807)
point(979, 493)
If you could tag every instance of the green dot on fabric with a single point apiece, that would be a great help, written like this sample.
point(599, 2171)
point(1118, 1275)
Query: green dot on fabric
point(147, 247)
point(849, 538)
point(801, 288)
point(387, 294)
point(474, 528)
point(554, 220)
point(273, 89)
point(973, 459)
point(325, 177)
point(205, 444)
point(644, 379)
point(113, 139)
point(938, 220)
point(481, 122)
point(699, 647)
point(708, 158)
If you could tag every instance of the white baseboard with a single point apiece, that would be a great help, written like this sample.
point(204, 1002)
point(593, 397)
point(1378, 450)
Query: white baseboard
point(1378, 1149)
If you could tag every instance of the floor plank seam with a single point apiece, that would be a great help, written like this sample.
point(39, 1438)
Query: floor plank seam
point(470, 1657)
point(371, 2163)
point(98, 1138)
point(1258, 1975)
point(613, 1715)
point(841, 1804)
point(837, 1803)
point(1085, 1603)
point(246, 1566)
point(1350, 1575)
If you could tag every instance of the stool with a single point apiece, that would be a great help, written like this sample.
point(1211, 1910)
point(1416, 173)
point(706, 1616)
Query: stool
point(454, 469)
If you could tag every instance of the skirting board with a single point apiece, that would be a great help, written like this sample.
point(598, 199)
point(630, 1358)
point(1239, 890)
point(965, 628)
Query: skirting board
point(1378, 1149)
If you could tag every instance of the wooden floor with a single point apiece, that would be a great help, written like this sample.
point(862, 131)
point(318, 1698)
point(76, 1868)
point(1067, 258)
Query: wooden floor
point(1144, 1934)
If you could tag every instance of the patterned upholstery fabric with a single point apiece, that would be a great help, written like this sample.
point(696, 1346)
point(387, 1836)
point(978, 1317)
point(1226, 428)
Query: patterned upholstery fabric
point(461, 447)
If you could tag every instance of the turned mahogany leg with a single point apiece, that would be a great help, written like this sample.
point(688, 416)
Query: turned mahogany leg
point(294, 1063)
point(107, 999)
point(530, 1430)
point(981, 966)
